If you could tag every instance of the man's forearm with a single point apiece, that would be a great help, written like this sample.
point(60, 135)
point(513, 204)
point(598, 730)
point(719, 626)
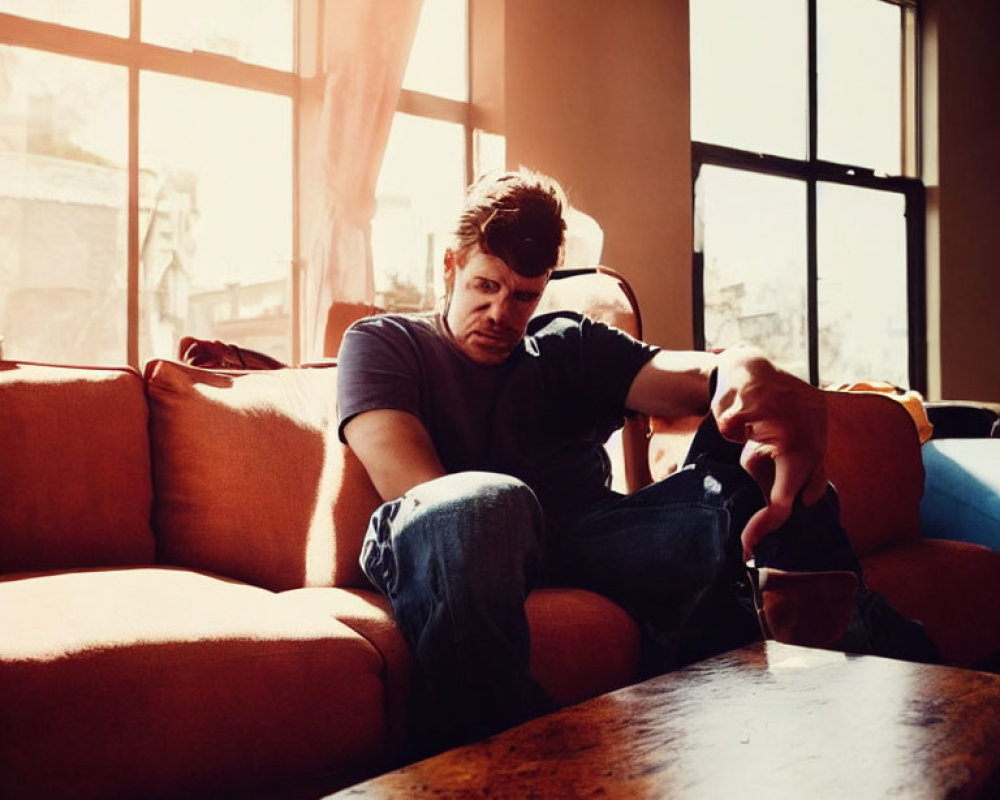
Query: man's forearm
point(395, 449)
point(673, 384)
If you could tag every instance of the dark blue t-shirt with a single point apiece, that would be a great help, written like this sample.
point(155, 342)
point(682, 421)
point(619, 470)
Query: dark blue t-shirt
point(542, 416)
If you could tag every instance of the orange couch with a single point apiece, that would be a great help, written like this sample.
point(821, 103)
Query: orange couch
point(182, 610)
point(183, 614)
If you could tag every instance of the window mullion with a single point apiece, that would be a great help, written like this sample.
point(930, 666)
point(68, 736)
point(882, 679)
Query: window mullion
point(916, 295)
point(38, 35)
point(133, 277)
point(420, 104)
point(812, 281)
point(813, 81)
point(812, 266)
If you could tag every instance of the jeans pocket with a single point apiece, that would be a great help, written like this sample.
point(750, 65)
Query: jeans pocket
point(377, 559)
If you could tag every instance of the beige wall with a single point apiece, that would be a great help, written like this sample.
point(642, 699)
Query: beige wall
point(600, 101)
point(963, 177)
point(597, 94)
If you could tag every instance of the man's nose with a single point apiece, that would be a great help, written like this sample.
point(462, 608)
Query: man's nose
point(499, 310)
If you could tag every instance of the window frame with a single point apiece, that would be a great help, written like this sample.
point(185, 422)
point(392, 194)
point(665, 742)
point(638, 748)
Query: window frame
point(448, 109)
point(813, 171)
point(137, 57)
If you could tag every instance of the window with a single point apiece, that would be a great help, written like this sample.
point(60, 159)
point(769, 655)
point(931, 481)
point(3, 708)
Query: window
point(808, 206)
point(147, 174)
point(63, 208)
point(434, 151)
point(419, 194)
point(145, 177)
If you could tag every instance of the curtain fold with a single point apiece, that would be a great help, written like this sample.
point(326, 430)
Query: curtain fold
point(349, 93)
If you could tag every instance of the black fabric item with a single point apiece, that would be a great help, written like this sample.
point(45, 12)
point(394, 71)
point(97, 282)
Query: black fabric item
point(963, 421)
point(813, 540)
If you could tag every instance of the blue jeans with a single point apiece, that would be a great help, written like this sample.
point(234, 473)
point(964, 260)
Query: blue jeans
point(457, 557)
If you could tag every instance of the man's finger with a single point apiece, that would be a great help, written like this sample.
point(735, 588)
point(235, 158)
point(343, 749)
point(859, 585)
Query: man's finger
point(791, 475)
point(758, 461)
point(732, 426)
point(784, 481)
point(760, 525)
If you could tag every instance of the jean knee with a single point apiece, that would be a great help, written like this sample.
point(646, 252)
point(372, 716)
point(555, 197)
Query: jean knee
point(481, 515)
point(505, 495)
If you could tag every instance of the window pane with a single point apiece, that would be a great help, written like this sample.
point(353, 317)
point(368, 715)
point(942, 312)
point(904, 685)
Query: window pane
point(215, 220)
point(439, 61)
point(260, 32)
point(491, 152)
point(862, 310)
point(748, 75)
point(859, 83)
point(419, 196)
point(103, 16)
point(63, 205)
point(752, 234)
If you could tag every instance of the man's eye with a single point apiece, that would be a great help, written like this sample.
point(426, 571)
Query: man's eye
point(525, 297)
point(487, 285)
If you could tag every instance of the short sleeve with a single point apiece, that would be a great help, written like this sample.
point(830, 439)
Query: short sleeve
point(612, 359)
point(597, 362)
point(377, 368)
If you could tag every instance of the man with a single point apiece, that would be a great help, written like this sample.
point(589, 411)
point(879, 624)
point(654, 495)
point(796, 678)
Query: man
point(483, 429)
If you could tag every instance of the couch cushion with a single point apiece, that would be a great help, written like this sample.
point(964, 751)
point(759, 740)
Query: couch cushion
point(158, 682)
point(582, 644)
point(74, 468)
point(368, 613)
point(251, 480)
point(953, 588)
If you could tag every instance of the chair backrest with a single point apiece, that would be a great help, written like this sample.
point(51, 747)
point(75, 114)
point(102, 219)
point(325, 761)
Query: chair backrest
point(605, 295)
point(599, 292)
point(338, 319)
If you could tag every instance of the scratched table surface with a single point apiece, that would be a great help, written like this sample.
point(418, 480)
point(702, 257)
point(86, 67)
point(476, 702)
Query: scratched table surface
point(765, 721)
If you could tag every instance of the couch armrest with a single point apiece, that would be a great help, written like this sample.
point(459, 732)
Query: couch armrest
point(873, 459)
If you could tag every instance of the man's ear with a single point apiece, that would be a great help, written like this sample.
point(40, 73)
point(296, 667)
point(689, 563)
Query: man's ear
point(450, 266)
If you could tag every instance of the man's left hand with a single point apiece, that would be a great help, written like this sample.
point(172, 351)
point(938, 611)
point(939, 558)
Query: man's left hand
point(782, 422)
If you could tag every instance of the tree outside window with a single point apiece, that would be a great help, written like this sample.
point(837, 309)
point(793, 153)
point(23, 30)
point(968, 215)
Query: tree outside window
point(808, 206)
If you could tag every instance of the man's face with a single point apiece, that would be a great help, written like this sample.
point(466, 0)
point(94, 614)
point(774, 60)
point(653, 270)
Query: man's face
point(490, 305)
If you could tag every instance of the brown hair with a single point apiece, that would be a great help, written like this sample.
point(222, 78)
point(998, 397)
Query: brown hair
point(516, 217)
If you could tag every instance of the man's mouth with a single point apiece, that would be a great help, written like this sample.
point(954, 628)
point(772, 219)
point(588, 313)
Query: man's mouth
point(498, 338)
point(493, 341)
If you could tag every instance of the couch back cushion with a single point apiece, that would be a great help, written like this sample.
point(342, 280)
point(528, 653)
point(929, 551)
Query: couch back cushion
point(251, 481)
point(873, 458)
point(74, 468)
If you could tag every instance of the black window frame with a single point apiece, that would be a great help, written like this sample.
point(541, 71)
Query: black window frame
point(813, 171)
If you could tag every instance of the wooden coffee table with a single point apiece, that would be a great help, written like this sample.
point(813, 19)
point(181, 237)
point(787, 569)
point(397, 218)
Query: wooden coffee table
point(766, 721)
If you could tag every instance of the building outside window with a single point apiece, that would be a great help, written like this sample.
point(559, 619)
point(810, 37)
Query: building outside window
point(204, 96)
point(171, 124)
point(808, 204)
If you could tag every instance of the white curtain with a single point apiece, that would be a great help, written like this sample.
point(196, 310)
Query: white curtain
point(352, 73)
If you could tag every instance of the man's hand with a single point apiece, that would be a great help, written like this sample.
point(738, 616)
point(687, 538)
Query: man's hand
point(782, 422)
